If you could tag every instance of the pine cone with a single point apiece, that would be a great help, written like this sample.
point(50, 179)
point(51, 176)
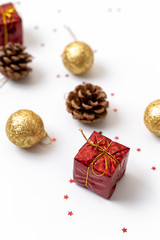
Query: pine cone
point(13, 61)
point(87, 103)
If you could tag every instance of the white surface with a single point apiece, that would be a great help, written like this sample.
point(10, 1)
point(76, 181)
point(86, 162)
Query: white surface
point(33, 182)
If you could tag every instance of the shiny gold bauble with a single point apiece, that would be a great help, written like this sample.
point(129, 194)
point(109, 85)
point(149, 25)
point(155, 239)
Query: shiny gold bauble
point(78, 57)
point(152, 117)
point(24, 128)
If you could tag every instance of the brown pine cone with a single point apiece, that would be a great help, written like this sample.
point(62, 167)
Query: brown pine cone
point(87, 103)
point(13, 61)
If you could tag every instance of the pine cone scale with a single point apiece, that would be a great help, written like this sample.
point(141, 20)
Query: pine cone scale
point(80, 95)
point(85, 106)
point(101, 95)
point(89, 116)
point(93, 104)
point(15, 58)
point(8, 69)
point(22, 65)
point(75, 105)
point(104, 104)
point(99, 111)
point(15, 67)
point(77, 114)
point(7, 60)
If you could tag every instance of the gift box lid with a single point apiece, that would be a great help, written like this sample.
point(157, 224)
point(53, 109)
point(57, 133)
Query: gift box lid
point(114, 154)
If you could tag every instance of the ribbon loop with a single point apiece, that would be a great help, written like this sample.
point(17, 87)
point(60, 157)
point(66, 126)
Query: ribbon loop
point(104, 153)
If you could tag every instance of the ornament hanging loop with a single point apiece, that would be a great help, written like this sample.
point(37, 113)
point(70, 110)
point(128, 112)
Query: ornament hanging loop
point(3, 81)
point(49, 140)
point(70, 32)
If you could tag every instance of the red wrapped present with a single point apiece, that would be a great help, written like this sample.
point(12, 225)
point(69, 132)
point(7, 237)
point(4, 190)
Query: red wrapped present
point(10, 25)
point(99, 164)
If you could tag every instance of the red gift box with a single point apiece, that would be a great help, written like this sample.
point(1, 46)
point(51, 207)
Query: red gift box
point(10, 25)
point(99, 164)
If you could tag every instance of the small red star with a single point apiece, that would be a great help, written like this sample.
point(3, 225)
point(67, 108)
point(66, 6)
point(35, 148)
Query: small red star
point(36, 27)
point(32, 57)
point(138, 149)
point(153, 168)
point(115, 109)
point(116, 138)
point(71, 180)
point(42, 45)
point(124, 230)
point(53, 139)
point(112, 94)
point(70, 213)
point(66, 197)
point(95, 51)
point(58, 76)
point(54, 30)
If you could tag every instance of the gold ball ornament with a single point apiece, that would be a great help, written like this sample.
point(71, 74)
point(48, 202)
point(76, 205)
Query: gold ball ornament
point(152, 117)
point(25, 129)
point(78, 57)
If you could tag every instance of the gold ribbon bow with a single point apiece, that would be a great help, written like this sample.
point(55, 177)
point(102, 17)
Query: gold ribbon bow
point(103, 153)
point(6, 14)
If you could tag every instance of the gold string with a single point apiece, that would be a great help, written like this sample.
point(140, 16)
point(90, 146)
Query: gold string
point(3, 81)
point(70, 31)
point(6, 14)
point(103, 152)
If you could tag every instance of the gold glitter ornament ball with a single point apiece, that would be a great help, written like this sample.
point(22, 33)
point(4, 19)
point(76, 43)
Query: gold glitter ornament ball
point(24, 128)
point(152, 117)
point(78, 57)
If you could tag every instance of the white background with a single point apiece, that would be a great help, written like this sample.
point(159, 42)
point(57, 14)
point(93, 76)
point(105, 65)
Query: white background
point(33, 182)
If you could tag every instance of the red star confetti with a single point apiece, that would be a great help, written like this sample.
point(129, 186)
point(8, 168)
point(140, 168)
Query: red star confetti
point(70, 213)
point(42, 44)
point(112, 94)
point(54, 30)
point(115, 109)
point(116, 138)
point(58, 76)
point(138, 149)
point(32, 57)
point(71, 180)
point(153, 168)
point(53, 139)
point(95, 51)
point(66, 197)
point(124, 230)
point(36, 27)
